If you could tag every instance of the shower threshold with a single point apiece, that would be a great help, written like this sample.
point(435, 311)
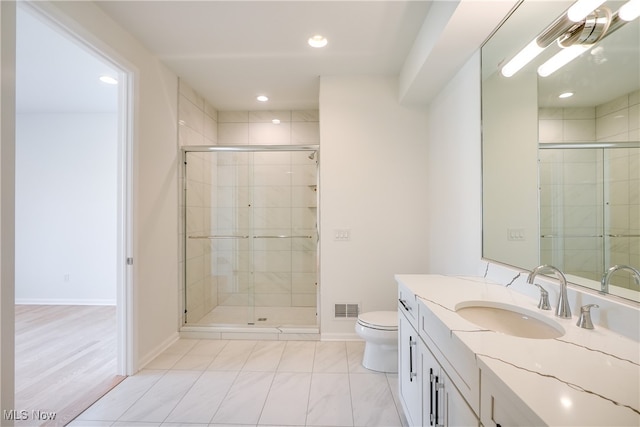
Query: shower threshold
point(251, 332)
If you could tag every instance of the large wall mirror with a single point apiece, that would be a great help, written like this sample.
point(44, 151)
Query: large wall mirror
point(561, 173)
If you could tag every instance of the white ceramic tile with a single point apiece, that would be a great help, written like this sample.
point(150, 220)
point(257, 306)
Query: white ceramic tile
point(330, 357)
point(162, 397)
point(290, 391)
point(268, 116)
point(210, 131)
point(579, 130)
point(233, 356)
point(163, 361)
point(269, 133)
point(233, 117)
point(616, 104)
point(191, 115)
point(579, 113)
point(204, 398)
point(612, 124)
point(355, 351)
point(188, 92)
point(305, 133)
point(188, 136)
point(193, 362)
point(550, 130)
point(305, 116)
point(265, 356)
point(119, 399)
point(210, 111)
point(233, 133)
point(372, 401)
point(245, 400)
point(329, 400)
point(297, 357)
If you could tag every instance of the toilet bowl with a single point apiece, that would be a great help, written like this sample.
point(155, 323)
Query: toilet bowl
point(379, 330)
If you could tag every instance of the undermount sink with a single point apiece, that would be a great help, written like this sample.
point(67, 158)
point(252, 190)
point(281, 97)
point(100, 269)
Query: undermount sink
point(509, 319)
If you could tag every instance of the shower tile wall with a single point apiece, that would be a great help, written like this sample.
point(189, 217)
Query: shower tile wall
point(198, 125)
point(569, 184)
point(285, 269)
point(284, 203)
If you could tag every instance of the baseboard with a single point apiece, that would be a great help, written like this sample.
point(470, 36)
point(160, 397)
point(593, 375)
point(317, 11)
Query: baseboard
point(340, 337)
point(148, 358)
point(63, 301)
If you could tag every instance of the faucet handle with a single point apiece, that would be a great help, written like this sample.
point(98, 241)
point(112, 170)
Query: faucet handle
point(543, 304)
point(584, 321)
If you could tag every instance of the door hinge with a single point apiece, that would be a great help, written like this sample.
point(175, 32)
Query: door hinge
point(129, 261)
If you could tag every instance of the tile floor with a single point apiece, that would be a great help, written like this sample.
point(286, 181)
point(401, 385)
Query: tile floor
point(252, 383)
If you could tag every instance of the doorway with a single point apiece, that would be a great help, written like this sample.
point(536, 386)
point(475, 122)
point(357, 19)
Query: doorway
point(72, 218)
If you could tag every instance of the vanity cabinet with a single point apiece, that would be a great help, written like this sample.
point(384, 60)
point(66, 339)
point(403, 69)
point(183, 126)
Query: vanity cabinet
point(428, 395)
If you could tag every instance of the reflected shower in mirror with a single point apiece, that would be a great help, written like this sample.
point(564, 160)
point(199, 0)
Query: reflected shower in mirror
point(561, 157)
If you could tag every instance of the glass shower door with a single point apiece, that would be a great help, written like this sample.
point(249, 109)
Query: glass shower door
point(251, 239)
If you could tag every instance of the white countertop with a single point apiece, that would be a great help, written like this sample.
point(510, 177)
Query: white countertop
point(586, 377)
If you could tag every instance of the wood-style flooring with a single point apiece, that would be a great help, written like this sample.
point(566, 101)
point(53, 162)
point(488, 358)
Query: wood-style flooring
point(65, 360)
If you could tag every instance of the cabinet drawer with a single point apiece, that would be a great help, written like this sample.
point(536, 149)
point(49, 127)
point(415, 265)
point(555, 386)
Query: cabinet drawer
point(408, 304)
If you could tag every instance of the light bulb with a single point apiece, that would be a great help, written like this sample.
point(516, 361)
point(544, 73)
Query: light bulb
point(580, 9)
point(523, 57)
point(562, 58)
point(630, 10)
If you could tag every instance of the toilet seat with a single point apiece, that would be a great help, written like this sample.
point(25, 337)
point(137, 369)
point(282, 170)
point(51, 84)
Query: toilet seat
point(380, 320)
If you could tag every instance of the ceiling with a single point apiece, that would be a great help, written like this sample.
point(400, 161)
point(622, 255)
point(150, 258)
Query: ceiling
point(232, 51)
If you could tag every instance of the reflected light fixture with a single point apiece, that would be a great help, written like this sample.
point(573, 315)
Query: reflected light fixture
point(275, 121)
point(109, 80)
point(317, 41)
point(576, 31)
point(262, 98)
point(630, 10)
point(565, 95)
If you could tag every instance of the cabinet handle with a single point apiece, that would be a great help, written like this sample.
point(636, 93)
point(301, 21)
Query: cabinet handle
point(430, 396)
point(438, 386)
point(411, 373)
point(404, 304)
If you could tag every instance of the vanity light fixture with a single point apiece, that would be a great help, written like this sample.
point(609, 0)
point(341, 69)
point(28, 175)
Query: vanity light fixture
point(581, 9)
point(630, 10)
point(576, 31)
point(317, 41)
point(565, 95)
point(262, 98)
point(109, 80)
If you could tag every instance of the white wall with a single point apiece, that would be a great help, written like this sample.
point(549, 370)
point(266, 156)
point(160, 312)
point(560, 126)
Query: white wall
point(155, 180)
point(454, 176)
point(373, 177)
point(7, 192)
point(66, 208)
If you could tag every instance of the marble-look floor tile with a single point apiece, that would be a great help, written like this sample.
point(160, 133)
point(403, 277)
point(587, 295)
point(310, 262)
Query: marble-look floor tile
point(265, 356)
point(355, 351)
point(87, 423)
point(111, 406)
point(329, 400)
point(207, 348)
point(233, 356)
point(193, 363)
point(331, 357)
point(290, 391)
point(164, 361)
point(298, 356)
point(203, 399)
point(243, 404)
point(372, 401)
point(162, 397)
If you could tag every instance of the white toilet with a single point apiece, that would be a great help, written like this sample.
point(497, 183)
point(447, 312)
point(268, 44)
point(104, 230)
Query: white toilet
point(379, 329)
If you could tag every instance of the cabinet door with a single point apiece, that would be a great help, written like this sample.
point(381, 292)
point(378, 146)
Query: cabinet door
point(409, 376)
point(443, 405)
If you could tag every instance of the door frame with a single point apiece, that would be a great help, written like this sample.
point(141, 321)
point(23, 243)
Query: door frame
point(125, 353)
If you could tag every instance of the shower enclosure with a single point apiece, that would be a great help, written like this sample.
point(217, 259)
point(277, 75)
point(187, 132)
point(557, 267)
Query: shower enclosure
point(250, 236)
point(589, 208)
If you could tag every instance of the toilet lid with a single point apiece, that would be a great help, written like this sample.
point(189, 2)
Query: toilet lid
point(386, 320)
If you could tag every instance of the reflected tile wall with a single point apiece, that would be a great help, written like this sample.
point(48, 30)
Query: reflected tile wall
point(571, 197)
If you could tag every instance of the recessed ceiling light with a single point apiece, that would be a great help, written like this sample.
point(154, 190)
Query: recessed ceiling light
point(317, 41)
point(262, 98)
point(109, 80)
point(275, 121)
point(565, 95)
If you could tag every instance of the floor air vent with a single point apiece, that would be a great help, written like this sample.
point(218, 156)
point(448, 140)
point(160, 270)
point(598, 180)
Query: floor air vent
point(344, 311)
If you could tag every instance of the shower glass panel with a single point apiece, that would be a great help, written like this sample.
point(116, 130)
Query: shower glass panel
point(251, 236)
point(589, 209)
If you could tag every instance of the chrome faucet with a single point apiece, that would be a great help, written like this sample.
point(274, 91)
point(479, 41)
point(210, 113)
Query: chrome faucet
point(563, 309)
point(604, 283)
